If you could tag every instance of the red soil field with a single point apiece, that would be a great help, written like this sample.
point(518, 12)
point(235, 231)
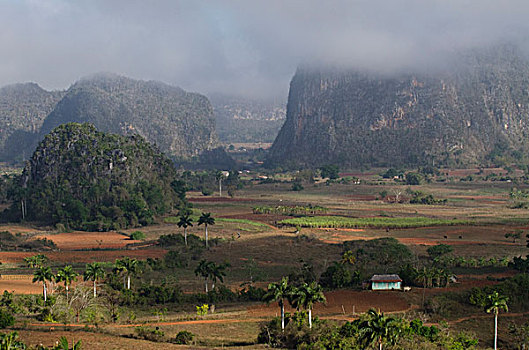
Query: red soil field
point(85, 256)
point(88, 240)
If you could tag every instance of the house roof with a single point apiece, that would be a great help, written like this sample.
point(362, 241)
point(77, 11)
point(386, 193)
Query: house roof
point(386, 278)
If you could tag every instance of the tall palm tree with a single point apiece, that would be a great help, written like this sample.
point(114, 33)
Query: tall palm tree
point(204, 269)
point(279, 292)
point(93, 272)
point(494, 304)
point(378, 329)
point(66, 275)
point(43, 275)
point(185, 221)
point(206, 219)
point(306, 296)
point(128, 267)
point(217, 273)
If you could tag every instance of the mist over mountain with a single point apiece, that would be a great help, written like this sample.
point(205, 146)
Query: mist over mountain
point(180, 123)
point(240, 119)
point(457, 115)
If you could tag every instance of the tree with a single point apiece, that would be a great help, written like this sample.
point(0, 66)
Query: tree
point(493, 304)
point(413, 179)
point(43, 275)
point(439, 250)
point(204, 269)
point(62, 344)
point(66, 275)
point(217, 273)
point(185, 221)
point(279, 292)
point(206, 219)
point(330, 171)
point(93, 272)
point(306, 296)
point(128, 267)
point(378, 329)
point(36, 261)
point(218, 176)
point(348, 258)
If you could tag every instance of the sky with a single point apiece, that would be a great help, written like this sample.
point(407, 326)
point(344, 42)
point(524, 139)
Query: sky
point(240, 47)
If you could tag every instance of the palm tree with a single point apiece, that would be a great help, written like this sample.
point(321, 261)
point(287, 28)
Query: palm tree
point(36, 261)
point(218, 176)
point(278, 292)
point(206, 219)
point(204, 269)
point(379, 329)
point(217, 272)
point(66, 275)
point(128, 267)
point(62, 344)
point(306, 296)
point(185, 222)
point(348, 258)
point(43, 274)
point(494, 303)
point(93, 272)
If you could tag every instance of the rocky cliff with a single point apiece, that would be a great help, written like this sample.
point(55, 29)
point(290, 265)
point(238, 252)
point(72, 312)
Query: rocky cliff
point(453, 115)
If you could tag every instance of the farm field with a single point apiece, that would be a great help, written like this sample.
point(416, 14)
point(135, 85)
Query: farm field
point(262, 248)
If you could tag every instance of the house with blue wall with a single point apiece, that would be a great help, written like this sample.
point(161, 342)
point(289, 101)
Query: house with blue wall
point(386, 282)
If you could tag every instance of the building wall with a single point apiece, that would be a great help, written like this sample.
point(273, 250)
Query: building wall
point(385, 285)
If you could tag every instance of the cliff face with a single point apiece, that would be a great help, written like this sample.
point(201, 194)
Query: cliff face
point(356, 118)
point(23, 108)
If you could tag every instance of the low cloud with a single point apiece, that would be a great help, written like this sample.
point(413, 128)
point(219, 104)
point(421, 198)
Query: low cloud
point(240, 47)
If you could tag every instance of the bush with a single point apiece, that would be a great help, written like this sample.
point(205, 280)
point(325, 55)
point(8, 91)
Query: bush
point(149, 334)
point(137, 236)
point(338, 276)
point(6, 319)
point(184, 338)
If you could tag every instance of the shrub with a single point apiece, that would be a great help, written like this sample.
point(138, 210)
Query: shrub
point(202, 310)
point(6, 319)
point(149, 334)
point(137, 236)
point(184, 338)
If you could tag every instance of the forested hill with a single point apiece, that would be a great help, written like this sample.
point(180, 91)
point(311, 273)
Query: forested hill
point(87, 179)
point(464, 114)
point(23, 108)
point(180, 123)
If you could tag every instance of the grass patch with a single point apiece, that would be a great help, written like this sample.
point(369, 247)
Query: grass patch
point(375, 222)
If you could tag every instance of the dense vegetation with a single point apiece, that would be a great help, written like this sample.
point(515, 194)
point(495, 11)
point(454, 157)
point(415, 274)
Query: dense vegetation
point(373, 222)
point(90, 180)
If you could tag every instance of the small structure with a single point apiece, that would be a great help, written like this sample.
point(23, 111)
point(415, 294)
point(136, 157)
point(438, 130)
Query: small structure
point(386, 282)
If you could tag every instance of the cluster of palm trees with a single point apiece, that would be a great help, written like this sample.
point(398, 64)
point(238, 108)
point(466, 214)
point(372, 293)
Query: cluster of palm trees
point(303, 296)
point(94, 272)
point(377, 328)
point(211, 271)
point(430, 277)
point(186, 221)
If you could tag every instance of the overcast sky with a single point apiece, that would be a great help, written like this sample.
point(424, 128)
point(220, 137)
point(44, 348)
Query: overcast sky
point(245, 47)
